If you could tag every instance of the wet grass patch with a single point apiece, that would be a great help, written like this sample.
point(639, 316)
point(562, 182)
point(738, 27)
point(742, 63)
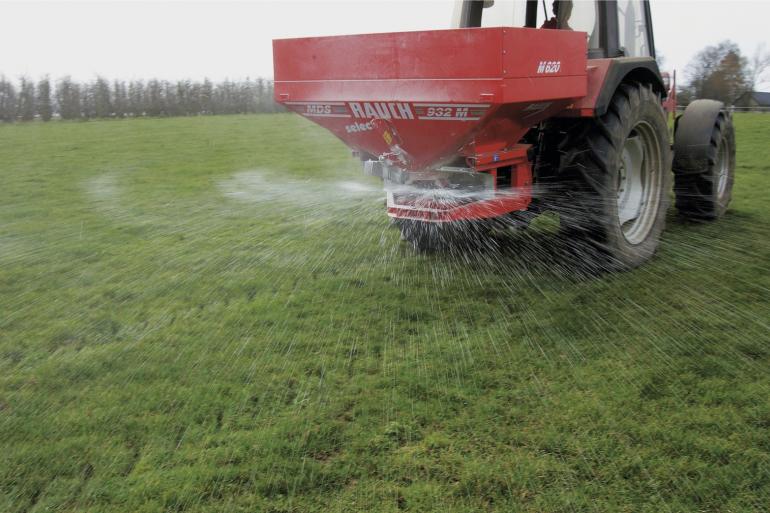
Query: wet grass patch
point(213, 314)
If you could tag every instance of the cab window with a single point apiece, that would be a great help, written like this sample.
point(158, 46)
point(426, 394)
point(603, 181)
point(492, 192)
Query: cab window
point(584, 18)
point(632, 29)
point(504, 13)
point(576, 15)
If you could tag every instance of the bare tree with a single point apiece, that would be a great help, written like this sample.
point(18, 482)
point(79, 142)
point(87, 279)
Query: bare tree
point(7, 100)
point(154, 98)
point(170, 99)
point(719, 72)
point(44, 106)
point(136, 100)
point(102, 101)
point(207, 97)
point(87, 101)
point(760, 63)
point(119, 99)
point(26, 109)
point(68, 99)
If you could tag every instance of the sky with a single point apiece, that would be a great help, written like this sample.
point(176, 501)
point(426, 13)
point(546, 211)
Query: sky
point(181, 39)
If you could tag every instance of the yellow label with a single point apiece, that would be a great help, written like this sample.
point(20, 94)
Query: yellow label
point(388, 138)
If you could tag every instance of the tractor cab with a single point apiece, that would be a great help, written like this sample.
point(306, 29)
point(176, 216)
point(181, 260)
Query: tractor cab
point(613, 29)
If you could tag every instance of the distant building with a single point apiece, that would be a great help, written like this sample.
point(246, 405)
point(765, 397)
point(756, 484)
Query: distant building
point(753, 99)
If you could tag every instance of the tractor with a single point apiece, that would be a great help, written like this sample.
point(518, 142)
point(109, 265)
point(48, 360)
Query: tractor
point(514, 112)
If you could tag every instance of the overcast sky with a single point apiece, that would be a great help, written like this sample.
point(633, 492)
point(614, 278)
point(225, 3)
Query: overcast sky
point(182, 39)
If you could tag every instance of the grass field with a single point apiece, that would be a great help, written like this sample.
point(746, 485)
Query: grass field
point(212, 314)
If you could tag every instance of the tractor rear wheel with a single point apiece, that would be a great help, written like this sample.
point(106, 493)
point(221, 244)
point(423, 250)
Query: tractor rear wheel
point(614, 179)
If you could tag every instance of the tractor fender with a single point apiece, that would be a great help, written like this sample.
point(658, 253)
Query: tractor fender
point(693, 132)
point(628, 69)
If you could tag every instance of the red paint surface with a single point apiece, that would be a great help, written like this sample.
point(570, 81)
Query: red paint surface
point(495, 69)
point(597, 71)
point(516, 197)
point(486, 86)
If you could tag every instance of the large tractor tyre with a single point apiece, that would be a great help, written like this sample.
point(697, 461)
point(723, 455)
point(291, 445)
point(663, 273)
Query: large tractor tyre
point(614, 179)
point(704, 160)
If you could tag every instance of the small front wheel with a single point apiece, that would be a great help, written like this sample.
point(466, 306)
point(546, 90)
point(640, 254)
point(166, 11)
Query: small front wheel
point(704, 160)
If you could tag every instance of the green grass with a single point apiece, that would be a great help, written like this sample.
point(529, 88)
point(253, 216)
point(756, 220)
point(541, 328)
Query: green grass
point(212, 314)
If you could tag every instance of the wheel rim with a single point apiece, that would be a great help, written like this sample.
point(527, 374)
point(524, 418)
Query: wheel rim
point(638, 183)
point(723, 168)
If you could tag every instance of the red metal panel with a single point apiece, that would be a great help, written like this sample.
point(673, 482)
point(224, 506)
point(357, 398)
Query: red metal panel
point(543, 89)
point(417, 90)
point(516, 197)
point(597, 70)
point(485, 209)
point(514, 77)
point(459, 53)
point(433, 66)
point(514, 90)
point(531, 52)
point(423, 98)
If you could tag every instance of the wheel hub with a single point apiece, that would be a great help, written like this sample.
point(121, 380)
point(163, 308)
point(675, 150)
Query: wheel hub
point(723, 168)
point(638, 182)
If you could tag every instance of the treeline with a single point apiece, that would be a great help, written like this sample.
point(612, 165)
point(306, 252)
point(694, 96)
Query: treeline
point(66, 99)
point(721, 72)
